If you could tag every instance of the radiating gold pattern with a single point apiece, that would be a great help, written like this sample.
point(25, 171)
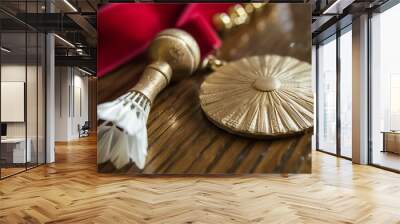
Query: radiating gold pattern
point(260, 96)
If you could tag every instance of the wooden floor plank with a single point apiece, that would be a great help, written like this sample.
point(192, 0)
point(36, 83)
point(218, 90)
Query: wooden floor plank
point(71, 191)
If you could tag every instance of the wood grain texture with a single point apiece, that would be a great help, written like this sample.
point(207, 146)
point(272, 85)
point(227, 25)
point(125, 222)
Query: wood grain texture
point(183, 141)
point(71, 191)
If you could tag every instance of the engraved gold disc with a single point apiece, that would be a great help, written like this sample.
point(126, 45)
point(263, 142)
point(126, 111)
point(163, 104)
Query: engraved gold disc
point(260, 96)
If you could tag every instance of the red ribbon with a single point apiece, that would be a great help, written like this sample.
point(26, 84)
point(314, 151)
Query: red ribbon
point(126, 29)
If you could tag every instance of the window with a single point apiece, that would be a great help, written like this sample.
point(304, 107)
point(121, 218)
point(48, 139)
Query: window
point(346, 93)
point(385, 88)
point(333, 106)
point(327, 96)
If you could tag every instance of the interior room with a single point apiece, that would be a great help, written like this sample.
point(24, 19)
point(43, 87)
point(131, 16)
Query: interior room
point(50, 71)
point(71, 100)
point(385, 87)
point(41, 78)
point(22, 100)
point(333, 53)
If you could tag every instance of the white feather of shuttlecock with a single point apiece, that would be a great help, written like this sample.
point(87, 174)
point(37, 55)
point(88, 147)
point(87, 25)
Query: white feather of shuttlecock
point(105, 136)
point(126, 139)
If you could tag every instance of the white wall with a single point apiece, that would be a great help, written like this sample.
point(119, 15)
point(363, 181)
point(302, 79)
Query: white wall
point(61, 103)
point(13, 100)
point(81, 83)
point(17, 73)
point(33, 127)
point(71, 102)
point(12, 73)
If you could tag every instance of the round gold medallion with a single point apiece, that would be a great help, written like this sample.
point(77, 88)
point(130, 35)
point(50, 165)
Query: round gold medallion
point(260, 96)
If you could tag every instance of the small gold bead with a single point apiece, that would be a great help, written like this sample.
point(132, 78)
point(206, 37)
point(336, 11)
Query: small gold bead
point(238, 14)
point(249, 8)
point(212, 62)
point(222, 22)
point(258, 6)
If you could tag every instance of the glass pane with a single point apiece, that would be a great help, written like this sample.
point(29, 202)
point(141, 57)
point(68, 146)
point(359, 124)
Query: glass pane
point(32, 97)
point(314, 77)
point(386, 89)
point(346, 94)
point(32, 87)
point(13, 89)
point(327, 97)
point(23, 90)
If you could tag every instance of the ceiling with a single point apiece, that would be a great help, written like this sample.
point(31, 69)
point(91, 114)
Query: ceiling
point(330, 15)
point(72, 20)
point(75, 22)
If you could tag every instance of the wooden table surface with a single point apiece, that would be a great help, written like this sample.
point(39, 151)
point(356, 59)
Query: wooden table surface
point(183, 141)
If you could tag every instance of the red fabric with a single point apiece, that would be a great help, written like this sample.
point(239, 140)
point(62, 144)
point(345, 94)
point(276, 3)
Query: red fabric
point(206, 10)
point(196, 19)
point(204, 34)
point(126, 29)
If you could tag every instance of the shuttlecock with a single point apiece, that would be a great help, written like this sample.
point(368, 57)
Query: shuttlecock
point(126, 139)
point(123, 134)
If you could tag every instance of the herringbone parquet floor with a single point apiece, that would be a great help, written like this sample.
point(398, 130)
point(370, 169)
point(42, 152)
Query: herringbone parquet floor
point(71, 191)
